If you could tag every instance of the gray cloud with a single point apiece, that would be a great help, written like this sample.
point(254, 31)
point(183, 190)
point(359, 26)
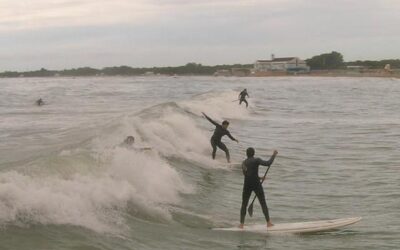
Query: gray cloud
point(173, 32)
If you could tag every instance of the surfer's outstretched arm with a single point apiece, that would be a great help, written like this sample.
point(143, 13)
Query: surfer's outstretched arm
point(231, 137)
point(270, 161)
point(209, 119)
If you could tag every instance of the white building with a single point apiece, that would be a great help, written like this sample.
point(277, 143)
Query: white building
point(288, 64)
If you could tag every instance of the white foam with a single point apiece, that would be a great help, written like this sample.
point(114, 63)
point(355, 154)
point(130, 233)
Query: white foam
point(96, 190)
point(219, 105)
point(80, 200)
point(148, 174)
point(127, 180)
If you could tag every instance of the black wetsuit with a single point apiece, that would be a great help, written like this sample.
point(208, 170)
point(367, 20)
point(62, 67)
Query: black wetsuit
point(242, 97)
point(252, 183)
point(216, 139)
point(39, 102)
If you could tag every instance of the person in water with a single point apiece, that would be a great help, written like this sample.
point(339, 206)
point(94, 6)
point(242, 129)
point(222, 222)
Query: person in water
point(242, 97)
point(220, 130)
point(129, 141)
point(252, 182)
point(39, 102)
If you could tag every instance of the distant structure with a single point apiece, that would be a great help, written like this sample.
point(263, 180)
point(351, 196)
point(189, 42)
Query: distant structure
point(223, 72)
point(283, 64)
point(357, 68)
point(233, 72)
point(387, 68)
point(240, 71)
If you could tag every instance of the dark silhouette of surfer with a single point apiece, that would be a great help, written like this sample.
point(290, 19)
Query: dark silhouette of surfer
point(252, 183)
point(242, 97)
point(219, 132)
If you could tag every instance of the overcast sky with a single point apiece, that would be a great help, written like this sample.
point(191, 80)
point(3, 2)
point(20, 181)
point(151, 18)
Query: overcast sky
point(58, 34)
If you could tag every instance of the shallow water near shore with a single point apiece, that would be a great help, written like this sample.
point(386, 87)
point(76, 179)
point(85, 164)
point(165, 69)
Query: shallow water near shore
point(66, 183)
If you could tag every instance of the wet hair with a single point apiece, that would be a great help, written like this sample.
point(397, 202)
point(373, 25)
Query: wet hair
point(250, 152)
point(225, 122)
point(129, 140)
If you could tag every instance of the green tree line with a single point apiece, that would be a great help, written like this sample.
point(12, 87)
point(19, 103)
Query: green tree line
point(394, 63)
point(188, 69)
point(333, 60)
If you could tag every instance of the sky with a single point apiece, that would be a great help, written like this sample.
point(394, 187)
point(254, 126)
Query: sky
point(59, 34)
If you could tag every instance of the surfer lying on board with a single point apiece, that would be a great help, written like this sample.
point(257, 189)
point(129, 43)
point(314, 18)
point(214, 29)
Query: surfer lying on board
point(220, 130)
point(242, 97)
point(128, 143)
point(252, 183)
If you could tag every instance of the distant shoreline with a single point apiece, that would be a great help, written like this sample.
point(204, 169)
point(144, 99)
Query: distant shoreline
point(335, 73)
point(323, 65)
point(397, 76)
point(85, 72)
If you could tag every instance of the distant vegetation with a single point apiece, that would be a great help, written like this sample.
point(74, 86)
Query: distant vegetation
point(376, 64)
point(328, 61)
point(188, 69)
point(333, 60)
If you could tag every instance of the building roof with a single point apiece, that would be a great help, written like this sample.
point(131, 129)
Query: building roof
point(281, 59)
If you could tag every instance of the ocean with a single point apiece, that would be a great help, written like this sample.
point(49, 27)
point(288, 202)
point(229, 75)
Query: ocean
point(67, 183)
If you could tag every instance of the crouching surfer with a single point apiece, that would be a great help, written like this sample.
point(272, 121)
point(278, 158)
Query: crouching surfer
point(220, 130)
point(252, 182)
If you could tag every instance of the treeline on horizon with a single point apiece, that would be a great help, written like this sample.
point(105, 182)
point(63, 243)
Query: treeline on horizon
point(327, 61)
point(334, 60)
point(188, 69)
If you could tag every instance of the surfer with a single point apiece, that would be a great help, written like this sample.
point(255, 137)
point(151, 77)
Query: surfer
point(252, 183)
point(128, 143)
point(129, 140)
point(220, 130)
point(39, 102)
point(242, 97)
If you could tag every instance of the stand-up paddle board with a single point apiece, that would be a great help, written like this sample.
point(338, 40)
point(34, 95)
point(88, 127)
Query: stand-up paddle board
point(298, 227)
point(232, 164)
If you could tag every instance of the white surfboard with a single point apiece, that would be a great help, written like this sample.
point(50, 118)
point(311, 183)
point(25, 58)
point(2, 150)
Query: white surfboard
point(298, 227)
point(232, 164)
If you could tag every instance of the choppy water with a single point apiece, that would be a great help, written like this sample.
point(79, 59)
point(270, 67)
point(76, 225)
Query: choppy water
point(66, 184)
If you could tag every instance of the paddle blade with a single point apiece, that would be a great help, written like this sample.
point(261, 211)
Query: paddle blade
point(250, 210)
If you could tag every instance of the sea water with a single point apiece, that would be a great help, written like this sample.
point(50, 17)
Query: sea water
point(67, 183)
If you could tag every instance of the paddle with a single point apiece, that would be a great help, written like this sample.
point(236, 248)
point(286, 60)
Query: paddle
point(250, 209)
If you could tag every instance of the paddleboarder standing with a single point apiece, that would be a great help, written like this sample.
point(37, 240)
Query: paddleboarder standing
point(252, 182)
